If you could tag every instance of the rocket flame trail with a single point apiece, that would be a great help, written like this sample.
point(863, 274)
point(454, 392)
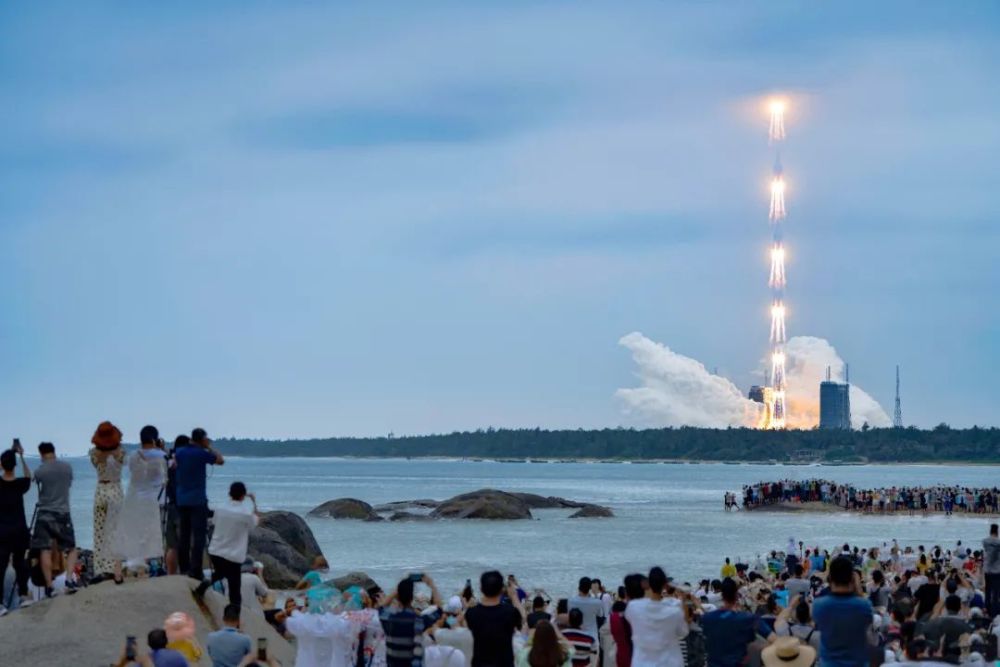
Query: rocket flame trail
point(777, 198)
point(777, 130)
point(777, 279)
point(774, 396)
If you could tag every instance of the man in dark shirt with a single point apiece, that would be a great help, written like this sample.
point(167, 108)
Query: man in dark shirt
point(493, 624)
point(538, 612)
point(950, 626)
point(728, 630)
point(192, 501)
point(404, 628)
point(927, 596)
point(14, 535)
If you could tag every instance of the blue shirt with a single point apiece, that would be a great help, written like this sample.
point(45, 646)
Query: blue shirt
point(227, 647)
point(842, 620)
point(727, 634)
point(168, 657)
point(191, 462)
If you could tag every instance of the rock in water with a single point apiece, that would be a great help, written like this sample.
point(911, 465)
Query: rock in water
point(592, 512)
point(346, 508)
point(483, 504)
point(285, 545)
point(359, 579)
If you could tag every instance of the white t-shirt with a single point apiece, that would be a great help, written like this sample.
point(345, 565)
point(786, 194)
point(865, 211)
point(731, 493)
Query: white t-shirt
point(591, 609)
point(658, 627)
point(233, 522)
point(460, 638)
point(443, 656)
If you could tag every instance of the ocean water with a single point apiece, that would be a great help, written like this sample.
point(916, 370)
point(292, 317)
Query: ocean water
point(666, 514)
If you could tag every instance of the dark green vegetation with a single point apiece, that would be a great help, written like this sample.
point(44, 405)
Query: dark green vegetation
point(975, 445)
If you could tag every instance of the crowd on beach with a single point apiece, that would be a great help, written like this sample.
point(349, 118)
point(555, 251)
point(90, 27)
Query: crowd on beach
point(794, 607)
point(885, 500)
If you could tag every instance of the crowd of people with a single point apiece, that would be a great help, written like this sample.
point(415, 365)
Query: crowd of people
point(885, 500)
point(794, 607)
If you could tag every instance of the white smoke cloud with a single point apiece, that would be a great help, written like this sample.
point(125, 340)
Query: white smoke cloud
point(679, 391)
point(807, 358)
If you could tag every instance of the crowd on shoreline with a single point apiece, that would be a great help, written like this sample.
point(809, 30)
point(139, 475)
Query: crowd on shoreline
point(795, 607)
point(947, 499)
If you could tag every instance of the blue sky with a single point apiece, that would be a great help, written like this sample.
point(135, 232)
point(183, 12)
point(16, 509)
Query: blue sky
point(414, 217)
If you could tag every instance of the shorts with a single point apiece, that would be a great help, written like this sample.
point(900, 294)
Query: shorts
point(53, 526)
point(171, 526)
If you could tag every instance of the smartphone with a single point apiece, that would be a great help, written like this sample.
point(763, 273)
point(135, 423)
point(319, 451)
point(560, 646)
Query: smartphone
point(417, 577)
point(130, 647)
point(262, 648)
point(17, 446)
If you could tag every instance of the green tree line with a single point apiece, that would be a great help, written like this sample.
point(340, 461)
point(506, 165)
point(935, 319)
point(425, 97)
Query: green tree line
point(974, 445)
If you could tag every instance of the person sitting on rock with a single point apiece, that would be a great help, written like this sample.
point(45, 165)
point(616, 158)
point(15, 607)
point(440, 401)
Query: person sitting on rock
point(314, 577)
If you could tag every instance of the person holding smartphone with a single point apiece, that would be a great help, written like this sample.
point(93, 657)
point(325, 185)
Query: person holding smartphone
point(14, 534)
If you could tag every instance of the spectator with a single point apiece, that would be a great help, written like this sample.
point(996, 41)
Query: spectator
point(314, 577)
point(584, 644)
point(728, 630)
point(14, 534)
point(843, 618)
point(589, 606)
point(227, 647)
point(658, 626)
point(621, 631)
point(253, 591)
point(946, 629)
point(493, 623)
point(107, 457)
point(404, 628)
point(139, 538)
point(322, 636)
point(788, 652)
point(796, 621)
point(544, 648)
point(171, 515)
point(798, 584)
point(991, 570)
point(160, 655)
point(927, 596)
point(538, 612)
point(450, 633)
point(192, 501)
point(53, 524)
point(728, 570)
point(233, 522)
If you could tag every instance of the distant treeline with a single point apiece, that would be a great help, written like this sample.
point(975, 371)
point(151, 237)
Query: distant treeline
point(980, 445)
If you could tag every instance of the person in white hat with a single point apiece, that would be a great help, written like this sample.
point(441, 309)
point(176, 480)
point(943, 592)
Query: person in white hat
point(788, 652)
point(452, 640)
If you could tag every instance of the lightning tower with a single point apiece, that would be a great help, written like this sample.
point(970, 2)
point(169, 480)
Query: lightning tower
point(775, 416)
point(897, 415)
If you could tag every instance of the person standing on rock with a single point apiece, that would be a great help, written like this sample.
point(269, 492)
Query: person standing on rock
point(107, 457)
point(14, 535)
point(139, 538)
point(53, 524)
point(233, 522)
point(192, 500)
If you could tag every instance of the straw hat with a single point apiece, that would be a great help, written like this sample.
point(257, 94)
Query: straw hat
point(107, 437)
point(788, 652)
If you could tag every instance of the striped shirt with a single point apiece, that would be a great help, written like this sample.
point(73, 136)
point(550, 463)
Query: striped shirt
point(584, 646)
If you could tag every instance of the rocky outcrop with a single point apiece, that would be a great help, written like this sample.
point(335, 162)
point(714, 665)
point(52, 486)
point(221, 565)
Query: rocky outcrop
point(285, 545)
point(359, 579)
point(592, 512)
point(536, 501)
point(484, 504)
point(409, 516)
point(346, 508)
point(403, 505)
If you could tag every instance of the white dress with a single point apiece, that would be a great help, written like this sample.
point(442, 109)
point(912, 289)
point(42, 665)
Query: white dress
point(139, 535)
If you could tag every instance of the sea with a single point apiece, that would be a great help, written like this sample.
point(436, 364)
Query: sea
point(668, 514)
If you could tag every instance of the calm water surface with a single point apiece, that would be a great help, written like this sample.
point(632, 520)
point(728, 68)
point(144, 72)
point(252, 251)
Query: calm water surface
point(668, 514)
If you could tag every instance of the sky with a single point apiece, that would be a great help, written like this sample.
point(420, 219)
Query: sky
point(276, 220)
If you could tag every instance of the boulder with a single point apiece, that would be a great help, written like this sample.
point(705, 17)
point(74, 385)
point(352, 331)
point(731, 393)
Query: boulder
point(483, 504)
point(592, 512)
point(285, 545)
point(353, 579)
point(346, 508)
point(410, 516)
point(536, 501)
point(402, 505)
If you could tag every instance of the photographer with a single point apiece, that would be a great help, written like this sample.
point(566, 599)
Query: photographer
point(233, 522)
point(192, 501)
point(14, 535)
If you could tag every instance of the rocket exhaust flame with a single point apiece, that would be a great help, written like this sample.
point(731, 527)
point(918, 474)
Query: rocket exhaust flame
point(777, 198)
point(774, 396)
point(776, 132)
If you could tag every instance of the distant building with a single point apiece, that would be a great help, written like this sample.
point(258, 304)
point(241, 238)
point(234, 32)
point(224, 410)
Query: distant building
point(757, 393)
point(834, 405)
